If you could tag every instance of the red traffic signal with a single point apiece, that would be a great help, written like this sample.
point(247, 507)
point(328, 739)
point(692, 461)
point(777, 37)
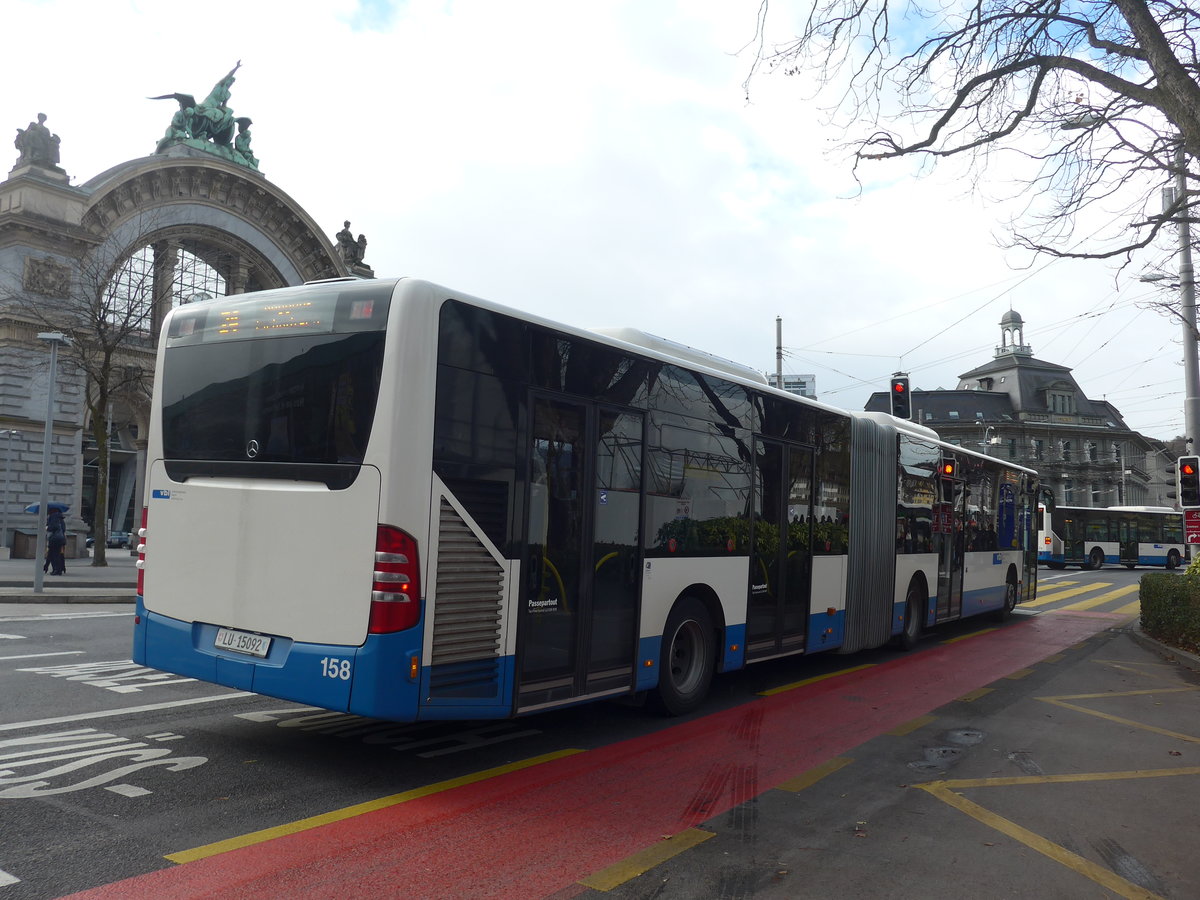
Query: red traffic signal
point(1188, 476)
point(901, 404)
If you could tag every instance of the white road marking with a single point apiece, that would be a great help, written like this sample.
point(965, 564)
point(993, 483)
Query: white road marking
point(127, 711)
point(47, 617)
point(6, 879)
point(127, 790)
point(40, 655)
point(12, 637)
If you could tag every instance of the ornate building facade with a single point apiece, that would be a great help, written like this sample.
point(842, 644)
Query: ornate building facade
point(1033, 412)
point(193, 221)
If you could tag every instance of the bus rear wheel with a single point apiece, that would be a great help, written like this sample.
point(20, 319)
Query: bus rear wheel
point(1095, 560)
point(688, 658)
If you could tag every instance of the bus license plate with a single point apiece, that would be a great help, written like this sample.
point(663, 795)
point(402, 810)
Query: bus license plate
point(242, 642)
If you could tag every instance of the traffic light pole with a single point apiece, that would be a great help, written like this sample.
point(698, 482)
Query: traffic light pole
point(1187, 292)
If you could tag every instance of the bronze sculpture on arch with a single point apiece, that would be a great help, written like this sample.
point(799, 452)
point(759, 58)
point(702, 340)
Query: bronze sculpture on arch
point(210, 124)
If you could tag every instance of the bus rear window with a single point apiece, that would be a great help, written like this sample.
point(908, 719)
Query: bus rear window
point(292, 400)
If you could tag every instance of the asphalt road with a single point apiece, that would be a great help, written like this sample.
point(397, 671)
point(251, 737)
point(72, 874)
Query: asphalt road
point(1053, 756)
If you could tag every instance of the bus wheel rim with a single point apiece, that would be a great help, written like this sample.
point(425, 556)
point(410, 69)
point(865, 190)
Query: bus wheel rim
point(687, 657)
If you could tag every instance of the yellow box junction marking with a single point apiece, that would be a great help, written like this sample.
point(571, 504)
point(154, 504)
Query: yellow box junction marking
point(798, 684)
point(946, 791)
point(815, 774)
point(645, 860)
point(349, 812)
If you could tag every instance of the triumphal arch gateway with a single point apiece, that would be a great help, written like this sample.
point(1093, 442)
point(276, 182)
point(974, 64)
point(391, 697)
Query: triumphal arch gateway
point(102, 262)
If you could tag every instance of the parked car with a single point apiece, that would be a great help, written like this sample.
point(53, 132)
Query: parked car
point(118, 539)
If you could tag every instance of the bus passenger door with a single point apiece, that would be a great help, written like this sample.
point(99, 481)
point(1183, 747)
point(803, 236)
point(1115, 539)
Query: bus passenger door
point(951, 544)
point(577, 624)
point(781, 556)
point(1127, 538)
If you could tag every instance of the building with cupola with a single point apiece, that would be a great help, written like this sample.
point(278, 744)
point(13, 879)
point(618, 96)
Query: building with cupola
point(1020, 408)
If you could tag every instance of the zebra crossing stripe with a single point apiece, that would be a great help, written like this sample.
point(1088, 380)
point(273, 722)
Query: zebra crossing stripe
point(1093, 602)
point(1042, 600)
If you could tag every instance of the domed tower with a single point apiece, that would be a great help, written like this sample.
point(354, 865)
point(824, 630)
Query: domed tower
point(1012, 335)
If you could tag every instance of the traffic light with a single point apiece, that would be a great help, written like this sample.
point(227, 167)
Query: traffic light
point(901, 404)
point(1188, 479)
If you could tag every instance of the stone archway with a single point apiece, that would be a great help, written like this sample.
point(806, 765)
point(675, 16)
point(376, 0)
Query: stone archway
point(182, 202)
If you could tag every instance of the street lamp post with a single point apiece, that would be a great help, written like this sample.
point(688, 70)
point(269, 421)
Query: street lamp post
point(8, 433)
point(53, 338)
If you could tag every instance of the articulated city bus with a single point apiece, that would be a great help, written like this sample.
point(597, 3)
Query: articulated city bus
point(1119, 535)
point(395, 500)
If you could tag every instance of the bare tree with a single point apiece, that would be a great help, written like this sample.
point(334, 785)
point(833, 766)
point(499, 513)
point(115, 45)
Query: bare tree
point(108, 315)
point(1101, 94)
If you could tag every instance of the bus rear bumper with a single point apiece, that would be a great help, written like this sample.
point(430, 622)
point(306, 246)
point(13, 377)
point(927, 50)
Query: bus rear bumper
point(371, 680)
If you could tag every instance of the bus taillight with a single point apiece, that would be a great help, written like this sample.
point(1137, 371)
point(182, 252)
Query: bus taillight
point(396, 585)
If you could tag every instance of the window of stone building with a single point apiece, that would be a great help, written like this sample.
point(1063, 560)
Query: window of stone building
point(1066, 451)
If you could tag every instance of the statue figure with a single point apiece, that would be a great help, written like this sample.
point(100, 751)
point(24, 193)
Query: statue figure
point(213, 118)
point(37, 145)
point(180, 127)
point(209, 125)
point(346, 245)
point(241, 143)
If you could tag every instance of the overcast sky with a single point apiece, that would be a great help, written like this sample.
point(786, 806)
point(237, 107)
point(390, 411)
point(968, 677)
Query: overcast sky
point(598, 163)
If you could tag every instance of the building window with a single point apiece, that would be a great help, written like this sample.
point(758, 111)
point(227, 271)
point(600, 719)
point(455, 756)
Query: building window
point(1039, 449)
point(1093, 451)
point(953, 414)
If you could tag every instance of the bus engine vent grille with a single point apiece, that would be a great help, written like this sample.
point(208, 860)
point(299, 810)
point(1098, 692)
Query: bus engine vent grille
point(466, 625)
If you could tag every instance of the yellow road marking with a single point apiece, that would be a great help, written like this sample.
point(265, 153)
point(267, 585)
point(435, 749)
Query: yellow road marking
point(1057, 657)
point(910, 727)
point(1063, 595)
point(945, 791)
point(349, 812)
point(815, 774)
point(797, 684)
point(963, 637)
point(974, 695)
point(1020, 673)
point(1130, 609)
point(645, 860)
point(1061, 701)
point(1093, 602)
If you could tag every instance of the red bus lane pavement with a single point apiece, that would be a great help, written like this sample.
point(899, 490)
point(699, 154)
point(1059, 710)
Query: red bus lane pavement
point(532, 831)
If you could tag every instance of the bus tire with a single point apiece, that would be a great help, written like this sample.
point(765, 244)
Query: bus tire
point(1010, 598)
point(1056, 565)
point(914, 606)
point(1172, 559)
point(1095, 559)
point(688, 658)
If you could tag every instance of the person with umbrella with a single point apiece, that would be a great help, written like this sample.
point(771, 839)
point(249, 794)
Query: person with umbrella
point(56, 542)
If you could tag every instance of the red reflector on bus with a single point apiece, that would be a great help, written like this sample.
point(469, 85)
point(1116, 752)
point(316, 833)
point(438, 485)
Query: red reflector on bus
point(395, 584)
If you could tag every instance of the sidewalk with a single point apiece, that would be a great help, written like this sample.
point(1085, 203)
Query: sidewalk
point(83, 582)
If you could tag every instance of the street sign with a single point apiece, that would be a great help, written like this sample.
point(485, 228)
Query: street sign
point(1191, 525)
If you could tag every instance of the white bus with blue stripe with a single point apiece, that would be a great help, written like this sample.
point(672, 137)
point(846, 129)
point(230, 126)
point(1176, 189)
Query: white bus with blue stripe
point(395, 500)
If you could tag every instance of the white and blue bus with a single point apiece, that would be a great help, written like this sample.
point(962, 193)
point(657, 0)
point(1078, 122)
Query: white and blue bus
point(390, 499)
point(1131, 536)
